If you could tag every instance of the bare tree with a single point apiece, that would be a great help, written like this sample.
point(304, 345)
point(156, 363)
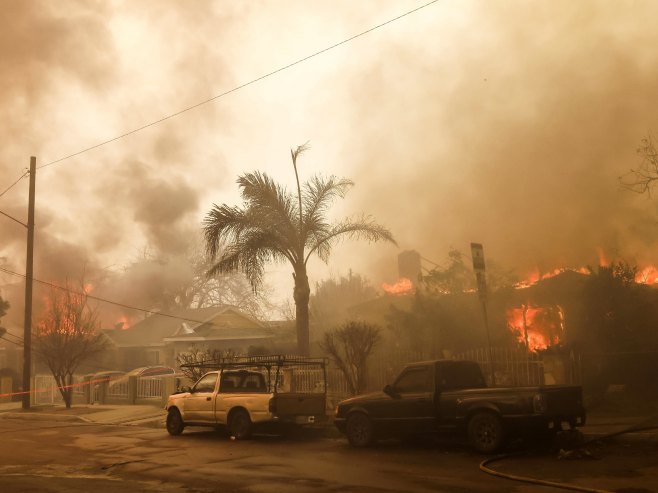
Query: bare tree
point(643, 178)
point(171, 282)
point(349, 347)
point(67, 335)
point(195, 356)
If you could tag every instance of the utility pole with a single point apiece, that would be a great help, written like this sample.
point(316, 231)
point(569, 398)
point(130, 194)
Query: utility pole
point(27, 327)
point(477, 252)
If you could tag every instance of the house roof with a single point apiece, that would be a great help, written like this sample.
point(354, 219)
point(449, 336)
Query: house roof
point(375, 310)
point(195, 324)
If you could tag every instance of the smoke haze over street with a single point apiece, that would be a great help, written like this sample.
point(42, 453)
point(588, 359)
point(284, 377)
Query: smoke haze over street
point(506, 123)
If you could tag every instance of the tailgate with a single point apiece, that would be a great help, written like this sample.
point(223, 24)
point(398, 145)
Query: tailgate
point(299, 404)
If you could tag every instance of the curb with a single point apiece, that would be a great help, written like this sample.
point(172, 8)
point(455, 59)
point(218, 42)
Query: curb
point(44, 417)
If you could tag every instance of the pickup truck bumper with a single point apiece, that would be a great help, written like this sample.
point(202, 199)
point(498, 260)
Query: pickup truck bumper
point(539, 422)
point(299, 420)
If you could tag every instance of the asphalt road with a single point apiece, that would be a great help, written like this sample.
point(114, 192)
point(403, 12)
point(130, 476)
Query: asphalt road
point(41, 456)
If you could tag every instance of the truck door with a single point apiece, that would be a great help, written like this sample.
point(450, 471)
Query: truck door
point(229, 388)
point(414, 406)
point(200, 404)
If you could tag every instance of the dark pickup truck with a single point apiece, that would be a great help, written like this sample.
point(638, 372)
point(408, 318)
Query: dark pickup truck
point(446, 395)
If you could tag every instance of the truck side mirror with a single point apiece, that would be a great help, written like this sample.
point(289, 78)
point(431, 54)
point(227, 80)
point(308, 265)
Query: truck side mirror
point(389, 390)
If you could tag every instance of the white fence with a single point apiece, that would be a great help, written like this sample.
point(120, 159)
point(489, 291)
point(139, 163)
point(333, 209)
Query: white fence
point(149, 388)
point(117, 391)
point(117, 388)
point(46, 391)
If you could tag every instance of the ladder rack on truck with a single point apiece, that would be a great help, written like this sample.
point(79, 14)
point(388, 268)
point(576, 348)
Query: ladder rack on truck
point(274, 365)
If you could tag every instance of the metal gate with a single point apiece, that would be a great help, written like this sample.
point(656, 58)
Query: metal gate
point(46, 391)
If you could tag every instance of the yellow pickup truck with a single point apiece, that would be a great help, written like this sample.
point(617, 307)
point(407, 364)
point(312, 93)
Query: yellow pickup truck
point(243, 394)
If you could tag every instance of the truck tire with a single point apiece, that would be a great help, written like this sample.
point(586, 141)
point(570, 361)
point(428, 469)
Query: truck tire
point(485, 432)
point(175, 423)
point(239, 424)
point(359, 430)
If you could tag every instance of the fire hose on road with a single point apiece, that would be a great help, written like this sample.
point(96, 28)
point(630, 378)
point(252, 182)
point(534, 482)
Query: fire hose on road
point(565, 486)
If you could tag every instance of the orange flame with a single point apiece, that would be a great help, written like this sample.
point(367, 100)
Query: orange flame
point(401, 287)
point(648, 275)
point(603, 259)
point(645, 275)
point(123, 323)
point(543, 325)
point(535, 276)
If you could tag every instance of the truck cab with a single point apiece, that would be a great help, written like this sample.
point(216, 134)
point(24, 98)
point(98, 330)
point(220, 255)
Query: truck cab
point(246, 393)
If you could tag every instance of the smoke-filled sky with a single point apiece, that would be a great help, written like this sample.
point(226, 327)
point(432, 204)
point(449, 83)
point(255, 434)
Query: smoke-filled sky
point(502, 122)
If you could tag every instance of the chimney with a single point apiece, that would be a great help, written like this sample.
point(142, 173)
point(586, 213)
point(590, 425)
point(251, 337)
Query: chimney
point(409, 265)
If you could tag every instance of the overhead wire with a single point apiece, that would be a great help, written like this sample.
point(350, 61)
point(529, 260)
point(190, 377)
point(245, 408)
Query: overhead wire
point(241, 86)
point(184, 110)
point(111, 302)
point(14, 184)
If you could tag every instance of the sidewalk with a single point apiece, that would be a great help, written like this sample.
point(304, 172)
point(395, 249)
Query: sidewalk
point(142, 415)
point(601, 425)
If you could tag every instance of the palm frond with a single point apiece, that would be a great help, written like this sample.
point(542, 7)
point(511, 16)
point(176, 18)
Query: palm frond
point(319, 193)
point(363, 228)
point(298, 151)
point(249, 254)
point(223, 223)
point(270, 201)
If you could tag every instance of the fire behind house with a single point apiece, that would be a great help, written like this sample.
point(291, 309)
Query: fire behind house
point(603, 320)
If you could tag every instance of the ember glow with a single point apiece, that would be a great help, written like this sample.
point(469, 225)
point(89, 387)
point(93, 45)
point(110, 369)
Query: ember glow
point(401, 287)
point(645, 275)
point(648, 275)
point(536, 327)
point(123, 323)
point(536, 276)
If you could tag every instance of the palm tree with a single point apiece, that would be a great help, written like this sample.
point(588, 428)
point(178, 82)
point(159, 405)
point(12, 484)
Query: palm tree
point(273, 226)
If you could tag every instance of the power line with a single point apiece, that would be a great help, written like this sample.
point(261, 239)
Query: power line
point(13, 218)
point(13, 184)
point(241, 86)
point(104, 300)
point(19, 344)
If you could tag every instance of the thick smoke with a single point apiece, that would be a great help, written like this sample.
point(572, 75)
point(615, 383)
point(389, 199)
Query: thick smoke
point(65, 83)
point(506, 123)
point(512, 130)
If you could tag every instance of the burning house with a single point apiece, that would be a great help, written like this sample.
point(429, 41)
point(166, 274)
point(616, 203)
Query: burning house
point(592, 326)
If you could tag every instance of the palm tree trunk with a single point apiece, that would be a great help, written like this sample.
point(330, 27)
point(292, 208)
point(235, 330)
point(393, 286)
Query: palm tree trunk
point(301, 295)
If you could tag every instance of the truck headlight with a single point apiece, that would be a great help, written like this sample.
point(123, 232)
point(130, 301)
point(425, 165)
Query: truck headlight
point(539, 403)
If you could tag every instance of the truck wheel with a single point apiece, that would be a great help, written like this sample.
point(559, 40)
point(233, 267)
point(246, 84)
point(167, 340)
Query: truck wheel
point(239, 424)
point(359, 430)
point(485, 432)
point(175, 423)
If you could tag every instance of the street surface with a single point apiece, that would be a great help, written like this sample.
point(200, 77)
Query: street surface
point(51, 456)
